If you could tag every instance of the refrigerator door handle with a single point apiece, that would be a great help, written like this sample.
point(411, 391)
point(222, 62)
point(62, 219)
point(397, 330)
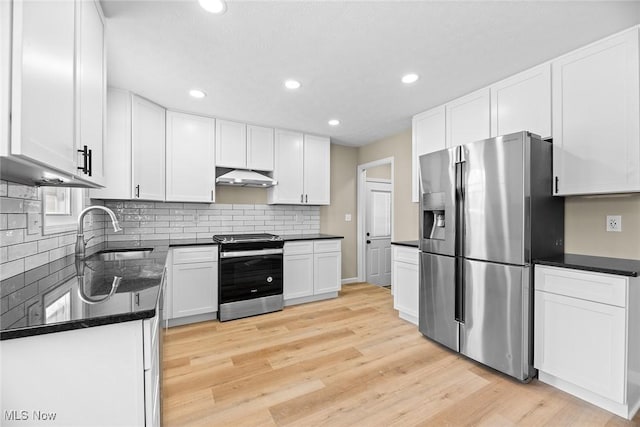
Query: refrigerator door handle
point(459, 242)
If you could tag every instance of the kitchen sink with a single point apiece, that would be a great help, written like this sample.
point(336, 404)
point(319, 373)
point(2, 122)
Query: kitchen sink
point(120, 254)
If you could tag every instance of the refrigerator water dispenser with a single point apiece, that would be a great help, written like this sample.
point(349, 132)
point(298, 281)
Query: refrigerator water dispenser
point(433, 212)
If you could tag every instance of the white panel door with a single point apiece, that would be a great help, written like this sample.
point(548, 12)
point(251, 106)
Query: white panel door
point(581, 342)
point(190, 158)
point(288, 171)
point(148, 148)
point(327, 272)
point(231, 144)
point(468, 118)
point(43, 94)
point(378, 233)
point(117, 150)
point(297, 276)
point(193, 289)
point(428, 135)
point(523, 102)
point(596, 117)
point(91, 76)
point(317, 170)
point(260, 142)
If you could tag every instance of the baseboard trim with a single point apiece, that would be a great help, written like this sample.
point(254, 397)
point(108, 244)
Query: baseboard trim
point(350, 280)
point(179, 321)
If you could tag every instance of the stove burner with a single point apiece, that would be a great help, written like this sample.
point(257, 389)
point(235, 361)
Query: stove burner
point(242, 238)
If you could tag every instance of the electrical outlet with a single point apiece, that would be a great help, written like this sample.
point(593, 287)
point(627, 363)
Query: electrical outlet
point(347, 217)
point(614, 223)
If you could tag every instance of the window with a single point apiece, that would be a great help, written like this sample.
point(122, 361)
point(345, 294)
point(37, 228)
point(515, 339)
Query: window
point(60, 209)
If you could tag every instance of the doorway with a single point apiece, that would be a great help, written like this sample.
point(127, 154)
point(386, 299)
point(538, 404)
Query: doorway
point(375, 221)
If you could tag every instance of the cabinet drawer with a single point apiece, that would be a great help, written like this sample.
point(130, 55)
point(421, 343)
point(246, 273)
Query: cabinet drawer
point(590, 286)
point(195, 254)
point(296, 248)
point(406, 254)
point(320, 246)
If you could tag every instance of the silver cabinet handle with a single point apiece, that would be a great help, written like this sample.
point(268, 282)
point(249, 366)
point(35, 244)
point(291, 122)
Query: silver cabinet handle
point(306, 198)
point(302, 198)
point(138, 190)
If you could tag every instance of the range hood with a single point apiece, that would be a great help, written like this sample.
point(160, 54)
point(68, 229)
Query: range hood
point(245, 178)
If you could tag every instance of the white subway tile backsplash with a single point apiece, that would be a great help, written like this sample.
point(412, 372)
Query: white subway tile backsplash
point(3, 188)
point(8, 205)
point(34, 261)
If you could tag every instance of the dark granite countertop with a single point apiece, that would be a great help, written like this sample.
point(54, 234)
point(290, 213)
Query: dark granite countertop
point(617, 266)
point(70, 294)
point(319, 236)
point(410, 243)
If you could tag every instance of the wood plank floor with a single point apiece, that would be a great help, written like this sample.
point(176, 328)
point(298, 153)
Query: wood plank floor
point(349, 361)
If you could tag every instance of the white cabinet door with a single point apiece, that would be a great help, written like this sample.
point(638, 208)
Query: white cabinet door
point(190, 158)
point(523, 102)
point(260, 142)
point(148, 148)
point(297, 276)
point(5, 75)
point(327, 272)
point(42, 92)
point(405, 288)
point(231, 144)
point(581, 342)
point(117, 150)
point(288, 171)
point(596, 117)
point(194, 289)
point(427, 136)
point(317, 171)
point(468, 118)
point(91, 87)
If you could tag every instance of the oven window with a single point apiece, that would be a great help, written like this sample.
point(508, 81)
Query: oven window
point(250, 277)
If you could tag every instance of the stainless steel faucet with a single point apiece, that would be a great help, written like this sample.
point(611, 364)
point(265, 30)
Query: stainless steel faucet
point(80, 242)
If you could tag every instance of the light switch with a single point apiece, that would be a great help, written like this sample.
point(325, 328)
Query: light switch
point(347, 217)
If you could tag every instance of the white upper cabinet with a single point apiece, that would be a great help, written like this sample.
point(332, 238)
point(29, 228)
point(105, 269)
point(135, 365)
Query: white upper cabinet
point(117, 150)
point(231, 144)
point(428, 135)
point(317, 170)
point(468, 118)
point(91, 90)
point(243, 146)
point(289, 168)
point(302, 169)
point(523, 102)
point(190, 158)
point(5, 75)
point(42, 91)
point(260, 148)
point(148, 149)
point(596, 117)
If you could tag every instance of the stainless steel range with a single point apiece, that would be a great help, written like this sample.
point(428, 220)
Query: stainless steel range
point(250, 274)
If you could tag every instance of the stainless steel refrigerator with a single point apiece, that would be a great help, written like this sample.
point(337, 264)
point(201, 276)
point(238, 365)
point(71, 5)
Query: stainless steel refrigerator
point(487, 211)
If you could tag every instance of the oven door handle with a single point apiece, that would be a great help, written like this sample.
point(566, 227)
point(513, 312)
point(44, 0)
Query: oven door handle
point(238, 254)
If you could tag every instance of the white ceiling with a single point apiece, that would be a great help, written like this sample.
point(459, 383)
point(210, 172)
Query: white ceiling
point(348, 55)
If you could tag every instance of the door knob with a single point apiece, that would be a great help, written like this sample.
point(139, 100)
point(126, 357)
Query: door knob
point(368, 234)
point(368, 241)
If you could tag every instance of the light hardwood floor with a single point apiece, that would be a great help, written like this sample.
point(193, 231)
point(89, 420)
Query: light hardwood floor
point(349, 361)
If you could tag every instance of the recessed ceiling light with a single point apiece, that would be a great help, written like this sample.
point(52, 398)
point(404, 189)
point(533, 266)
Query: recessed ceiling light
point(292, 84)
point(213, 6)
point(334, 122)
point(197, 93)
point(410, 78)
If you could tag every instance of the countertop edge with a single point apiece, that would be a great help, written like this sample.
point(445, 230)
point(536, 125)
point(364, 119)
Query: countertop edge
point(630, 271)
point(408, 243)
point(296, 237)
point(76, 324)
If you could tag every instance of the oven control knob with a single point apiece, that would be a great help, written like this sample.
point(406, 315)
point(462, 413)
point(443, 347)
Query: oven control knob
point(269, 279)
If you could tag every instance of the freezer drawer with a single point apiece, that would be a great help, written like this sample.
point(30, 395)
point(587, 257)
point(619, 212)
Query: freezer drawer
point(436, 306)
point(496, 328)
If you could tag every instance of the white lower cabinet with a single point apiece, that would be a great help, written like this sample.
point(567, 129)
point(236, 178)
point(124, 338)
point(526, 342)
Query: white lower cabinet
point(586, 336)
point(404, 282)
point(312, 270)
point(192, 290)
